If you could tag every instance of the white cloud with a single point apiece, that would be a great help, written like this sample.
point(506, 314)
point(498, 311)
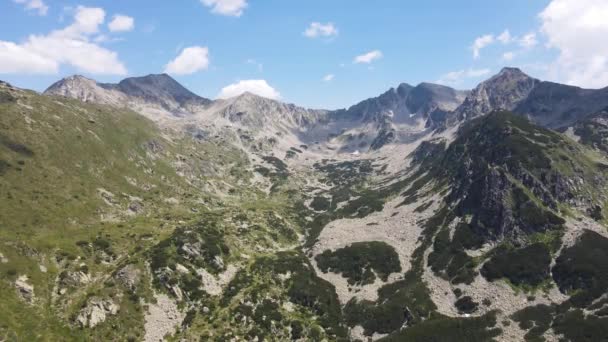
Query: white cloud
point(578, 30)
point(480, 43)
point(317, 29)
point(528, 41)
point(369, 57)
point(258, 87)
point(121, 23)
point(69, 46)
point(505, 37)
point(17, 59)
point(189, 61)
point(457, 77)
point(233, 8)
point(508, 56)
point(329, 78)
point(34, 5)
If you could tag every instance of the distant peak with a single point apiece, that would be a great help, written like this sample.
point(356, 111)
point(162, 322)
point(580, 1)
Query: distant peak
point(163, 75)
point(251, 96)
point(428, 85)
point(78, 78)
point(151, 78)
point(512, 71)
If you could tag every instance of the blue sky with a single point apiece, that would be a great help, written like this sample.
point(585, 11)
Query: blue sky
point(238, 40)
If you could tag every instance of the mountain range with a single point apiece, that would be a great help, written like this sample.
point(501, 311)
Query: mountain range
point(141, 211)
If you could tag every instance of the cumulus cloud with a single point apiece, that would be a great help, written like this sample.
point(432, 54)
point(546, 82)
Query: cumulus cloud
point(317, 29)
point(578, 30)
point(189, 61)
point(457, 77)
point(369, 57)
point(17, 59)
point(233, 8)
point(528, 40)
point(69, 46)
point(329, 78)
point(258, 87)
point(37, 6)
point(480, 43)
point(505, 37)
point(121, 23)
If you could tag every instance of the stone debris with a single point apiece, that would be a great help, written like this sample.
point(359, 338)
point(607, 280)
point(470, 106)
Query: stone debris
point(401, 231)
point(214, 285)
point(162, 318)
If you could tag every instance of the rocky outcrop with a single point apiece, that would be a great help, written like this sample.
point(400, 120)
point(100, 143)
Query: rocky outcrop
point(96, 312)
point(129, 277)
point(73, 278)
point(25, 289)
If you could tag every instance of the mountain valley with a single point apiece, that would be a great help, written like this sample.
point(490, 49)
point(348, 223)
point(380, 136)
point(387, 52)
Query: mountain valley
point(141, 211)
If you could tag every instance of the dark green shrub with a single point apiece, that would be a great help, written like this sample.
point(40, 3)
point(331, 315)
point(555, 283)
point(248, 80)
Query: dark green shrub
point(524, 266)
point(359, 261)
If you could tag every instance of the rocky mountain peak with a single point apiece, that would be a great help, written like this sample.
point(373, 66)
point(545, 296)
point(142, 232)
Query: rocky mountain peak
point(257, 112)
point(155, 87)
point(83, 89)
point(512, 72)
point(71, 82)
point(503, 91)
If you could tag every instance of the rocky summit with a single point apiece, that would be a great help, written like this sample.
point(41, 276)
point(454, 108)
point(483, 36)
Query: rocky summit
point(140, 211)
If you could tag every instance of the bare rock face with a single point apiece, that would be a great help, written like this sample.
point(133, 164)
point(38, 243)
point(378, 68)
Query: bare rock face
point(25, 289)
point(96, 311)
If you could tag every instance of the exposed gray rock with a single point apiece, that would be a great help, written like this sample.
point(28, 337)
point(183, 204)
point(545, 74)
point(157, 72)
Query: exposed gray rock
point(129, 276)
point(25, 289)
point(95, 312)
point(136, 207)
point(73, 278)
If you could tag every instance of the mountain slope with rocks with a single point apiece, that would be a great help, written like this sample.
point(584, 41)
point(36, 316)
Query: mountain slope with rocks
point(140, 211)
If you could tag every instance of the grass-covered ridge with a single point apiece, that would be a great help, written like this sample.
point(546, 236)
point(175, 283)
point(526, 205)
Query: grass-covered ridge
point(87, 189)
